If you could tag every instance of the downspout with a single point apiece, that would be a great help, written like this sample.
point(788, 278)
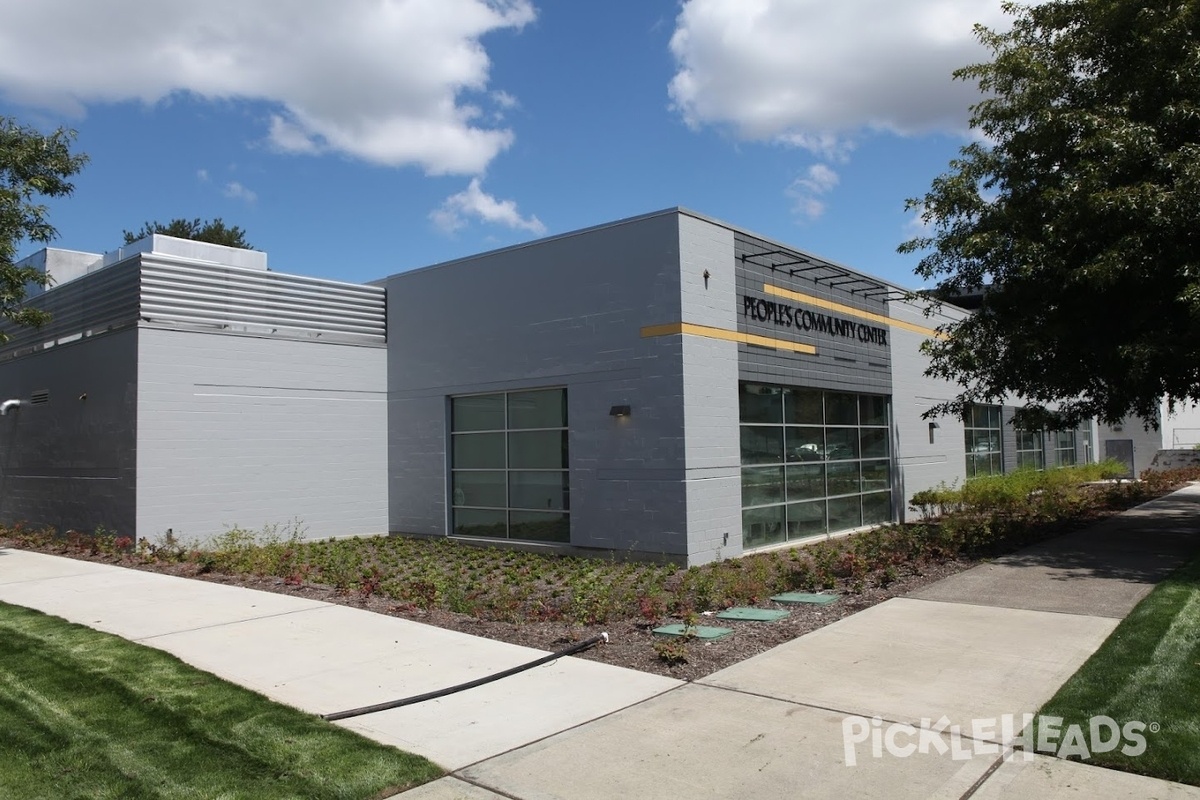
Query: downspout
point(8, 404)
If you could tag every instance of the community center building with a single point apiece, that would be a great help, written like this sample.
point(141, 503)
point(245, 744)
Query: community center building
point(665, 387)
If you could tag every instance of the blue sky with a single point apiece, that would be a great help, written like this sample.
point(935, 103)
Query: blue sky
point(357, 139)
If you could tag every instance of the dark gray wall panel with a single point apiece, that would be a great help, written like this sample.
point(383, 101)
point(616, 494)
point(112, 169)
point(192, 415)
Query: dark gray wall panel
point(91, 305)
point(70, 462)
point(842, 361)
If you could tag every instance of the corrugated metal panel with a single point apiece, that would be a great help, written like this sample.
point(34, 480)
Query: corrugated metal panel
point(253, 301)
point(179, 293)
point(100, 301)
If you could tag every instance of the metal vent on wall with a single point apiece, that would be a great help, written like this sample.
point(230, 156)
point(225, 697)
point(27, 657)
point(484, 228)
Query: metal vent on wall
point(39, 397)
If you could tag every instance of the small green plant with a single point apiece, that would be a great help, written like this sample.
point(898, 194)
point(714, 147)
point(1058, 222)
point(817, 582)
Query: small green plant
point(652, 607)
point(672, 652)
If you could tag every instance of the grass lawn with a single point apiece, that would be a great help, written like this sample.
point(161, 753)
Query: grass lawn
point(89, 715)
point(1147, 671)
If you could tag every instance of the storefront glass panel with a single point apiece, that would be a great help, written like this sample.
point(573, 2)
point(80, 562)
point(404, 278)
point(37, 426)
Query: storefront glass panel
point(805, 520)
point(762, 444)
point(762, 526)
point(815, 462)
point(508, 466)
point(803, 407)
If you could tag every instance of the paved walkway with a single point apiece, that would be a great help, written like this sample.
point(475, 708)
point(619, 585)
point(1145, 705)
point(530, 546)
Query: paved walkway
point(991, 643)
point(323, 658)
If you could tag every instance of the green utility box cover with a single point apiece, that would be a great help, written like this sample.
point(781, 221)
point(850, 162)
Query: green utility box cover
point(803, 597)
point(753, 614)
point(695, 631)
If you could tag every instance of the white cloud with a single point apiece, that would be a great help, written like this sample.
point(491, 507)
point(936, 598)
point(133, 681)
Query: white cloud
point(202, 175)
point(917, 224)
point(814, 73)
point(455, 210)
point(237, 191)
point(504, 100)
point(807, 190)
point(380, 81)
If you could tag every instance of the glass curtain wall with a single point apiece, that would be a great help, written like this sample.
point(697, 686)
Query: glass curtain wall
point(508, 466)
point(983, 437)
point(813, 462)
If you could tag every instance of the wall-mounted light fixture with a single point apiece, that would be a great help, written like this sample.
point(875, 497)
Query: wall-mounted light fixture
point(620, 411)
point(933, 426)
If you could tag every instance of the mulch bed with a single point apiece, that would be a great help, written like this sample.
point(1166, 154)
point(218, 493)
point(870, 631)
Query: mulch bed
point(631, 643)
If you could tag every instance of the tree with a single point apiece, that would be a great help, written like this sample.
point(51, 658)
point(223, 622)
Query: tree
point(1078, 209)
point(214, 232)
point(32, 166)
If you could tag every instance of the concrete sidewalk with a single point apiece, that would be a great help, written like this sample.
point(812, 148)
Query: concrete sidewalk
point(995, 641)
point(324, 658)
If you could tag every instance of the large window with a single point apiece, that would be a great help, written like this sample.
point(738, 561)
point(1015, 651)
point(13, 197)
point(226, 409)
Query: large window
point(1064, 448)
point(508, 465)
point(1031, 454)
point(982, 433)
point(813, 462)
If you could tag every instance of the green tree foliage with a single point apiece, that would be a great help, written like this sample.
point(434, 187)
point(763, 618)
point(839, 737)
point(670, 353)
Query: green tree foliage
point(214, 232)
point(32, 166)
point(1079, 206)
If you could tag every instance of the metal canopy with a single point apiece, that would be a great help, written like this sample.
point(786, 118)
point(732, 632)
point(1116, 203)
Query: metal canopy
point(795, 264)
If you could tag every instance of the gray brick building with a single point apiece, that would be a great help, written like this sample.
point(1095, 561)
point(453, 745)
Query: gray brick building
point(667, 387)
point(719, 392)
point(184, 386)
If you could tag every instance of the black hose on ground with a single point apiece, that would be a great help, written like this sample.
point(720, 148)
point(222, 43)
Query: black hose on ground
point(578, 647)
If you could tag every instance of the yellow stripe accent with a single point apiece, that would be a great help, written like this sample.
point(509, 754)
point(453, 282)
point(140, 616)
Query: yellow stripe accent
point(808, 299)
point(674, 328)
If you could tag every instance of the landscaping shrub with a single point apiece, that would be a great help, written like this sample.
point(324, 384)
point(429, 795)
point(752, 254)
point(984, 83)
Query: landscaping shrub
point(984, 517)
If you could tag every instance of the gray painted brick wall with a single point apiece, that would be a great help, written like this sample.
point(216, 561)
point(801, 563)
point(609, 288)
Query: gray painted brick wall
point(566, 311)
point(920, 464)
point(710, 383)
point(1146, 442)
point(70, 463)
point(250, 431)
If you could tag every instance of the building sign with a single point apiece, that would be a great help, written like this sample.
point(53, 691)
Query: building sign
point(786, 316)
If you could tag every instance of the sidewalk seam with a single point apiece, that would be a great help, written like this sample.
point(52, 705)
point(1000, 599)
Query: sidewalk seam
point(49, 578)
point(1010, 608)
point(989, 772)
point(483, 786)
point(962, 735)
point(322, 607)
point(456, 773)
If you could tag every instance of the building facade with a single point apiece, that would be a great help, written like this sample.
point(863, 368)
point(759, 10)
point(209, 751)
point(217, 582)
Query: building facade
point(664, 387)
point(669, 386)
point(182, 386)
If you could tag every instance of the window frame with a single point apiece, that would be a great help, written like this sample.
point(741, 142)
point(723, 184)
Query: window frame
point(812, 452)
point(971, 434)
point(459, 506)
